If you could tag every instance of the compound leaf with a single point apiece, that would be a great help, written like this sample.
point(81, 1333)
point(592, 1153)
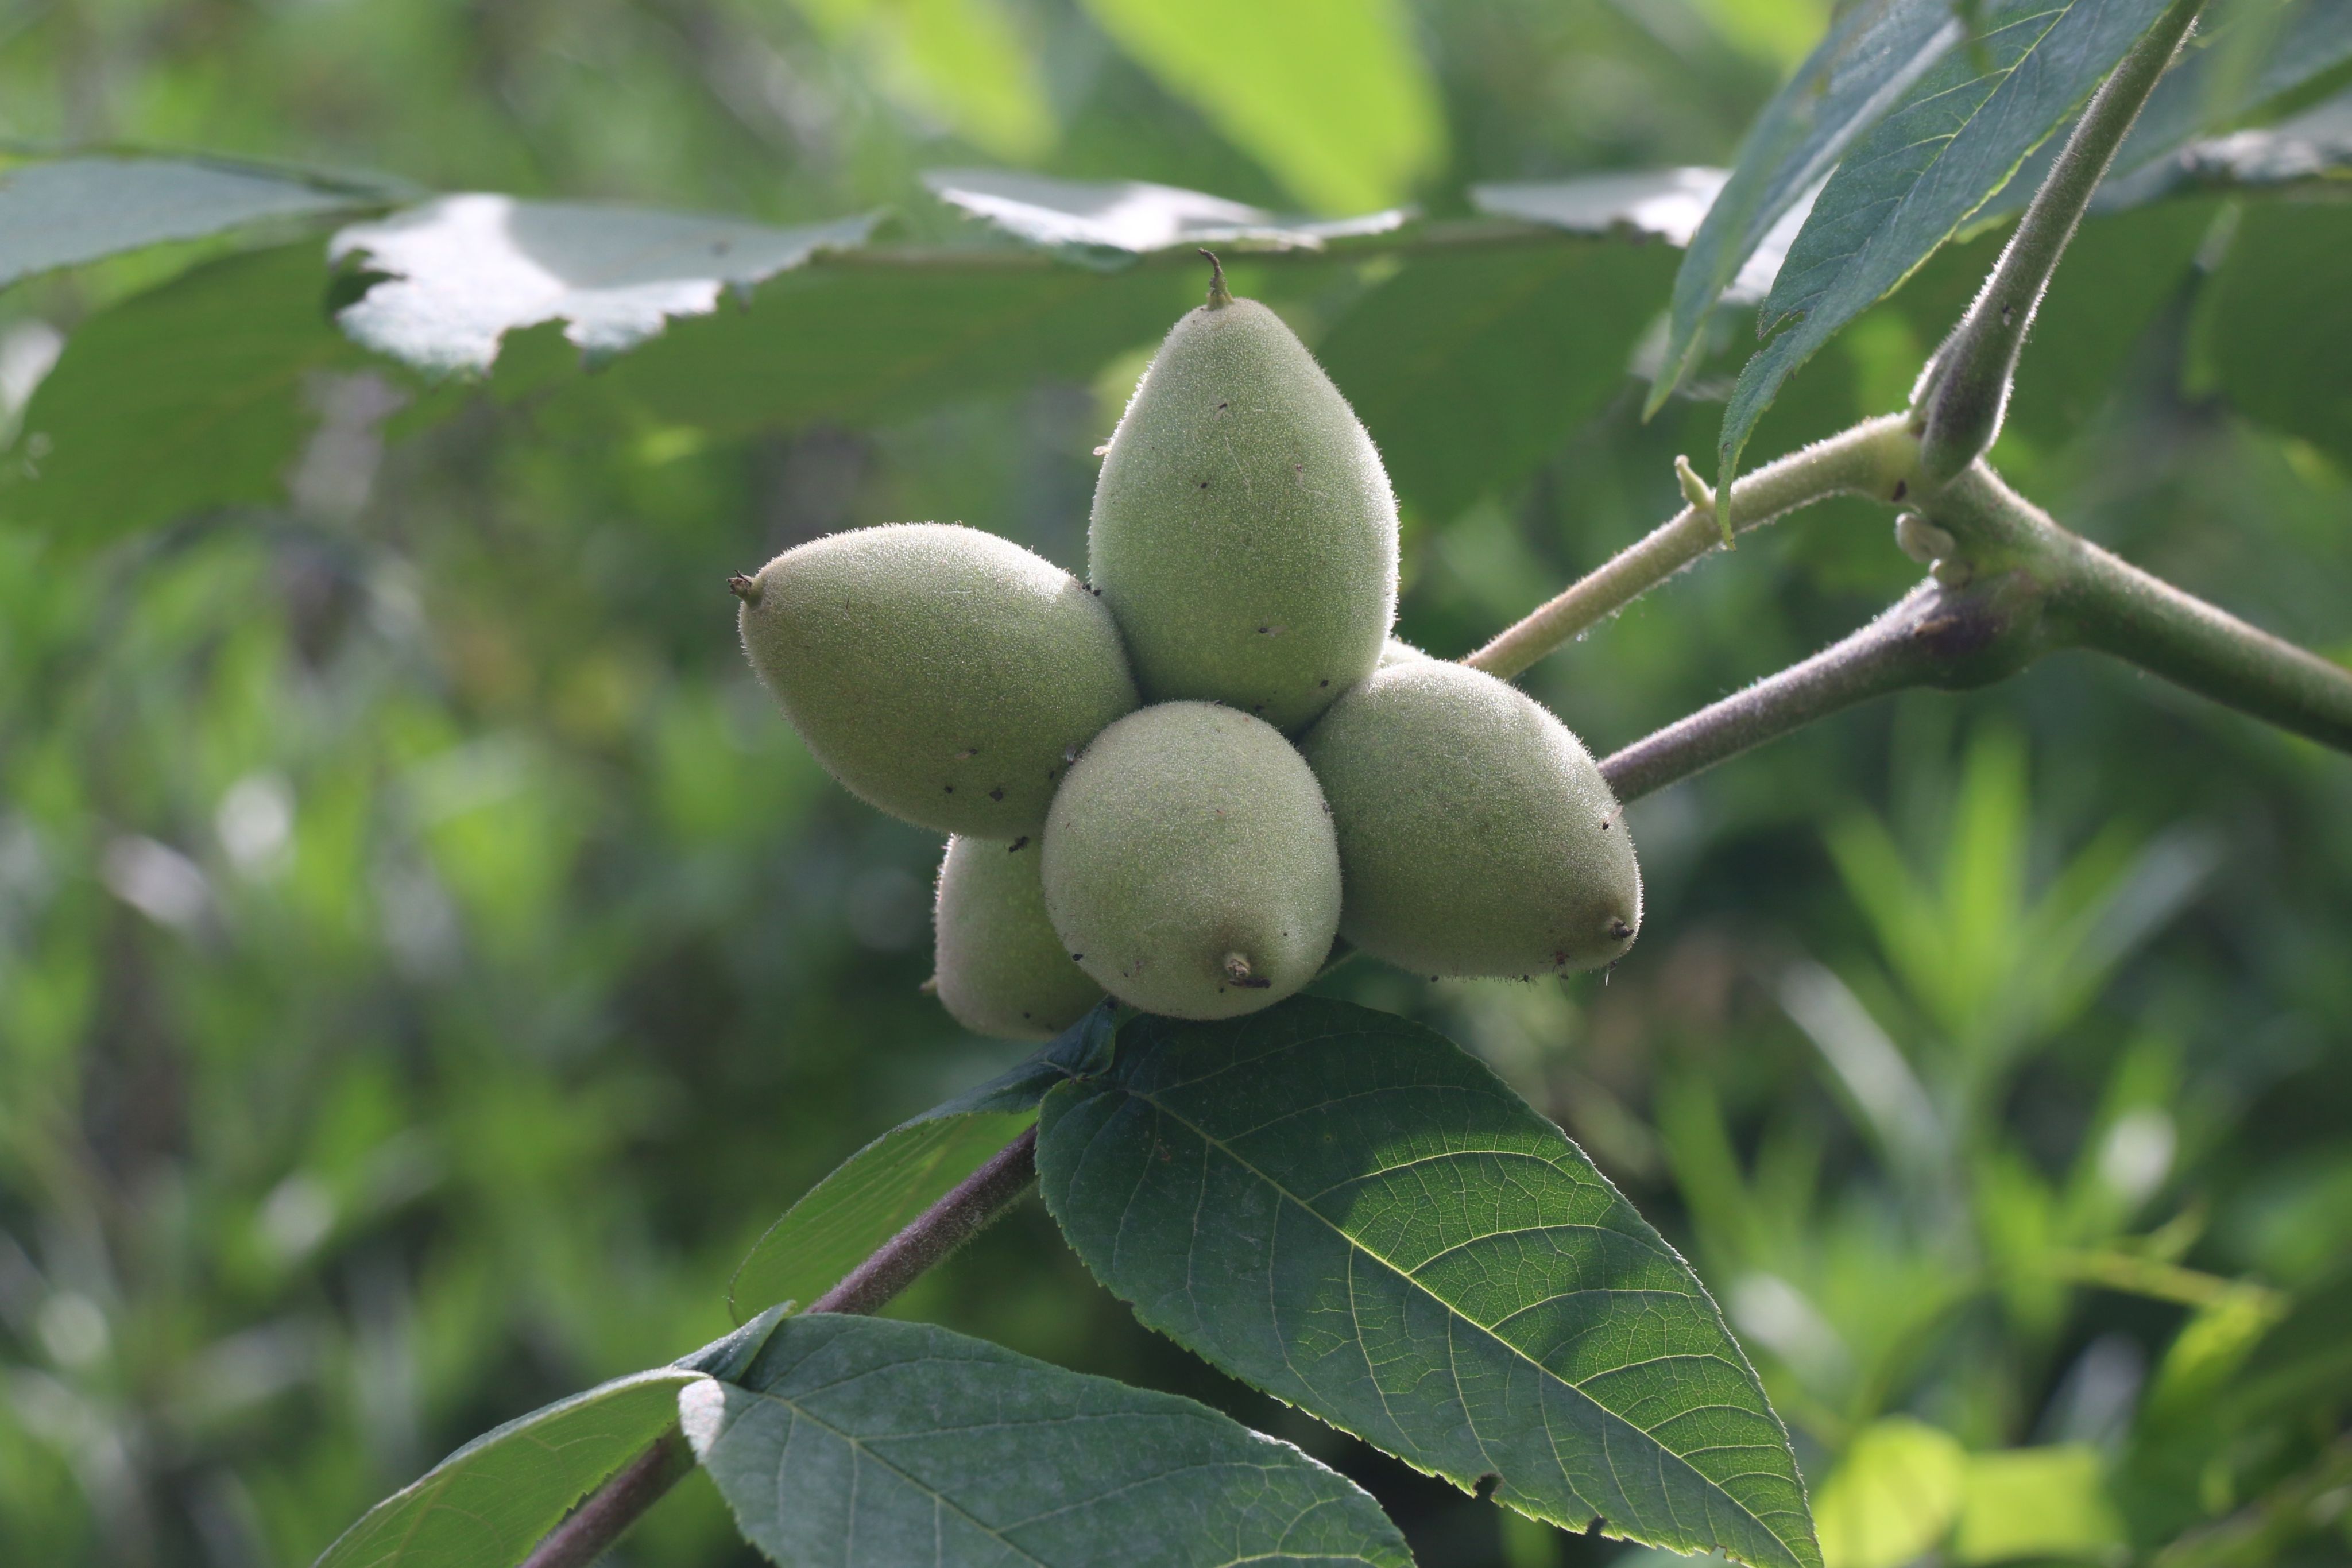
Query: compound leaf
point(465, 270)
point(1470, 370)
point(74, 210)
point(1348, 1211)
point(1871, 57)
point(853, 1441)
point(1957, 137)
point(190, 395)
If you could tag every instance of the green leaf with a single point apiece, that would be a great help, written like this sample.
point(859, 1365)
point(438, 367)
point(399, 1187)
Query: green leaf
point(854, 1441)
point(873, 1194)
point(856, 344)
point(1330, 95)
point(2313, 149)
point(1871, 57)
point(1351, 1213)
point(963, 61)
point(1958, 136)
point(1665, 204)
point(1109, 223)
point(465, 270)
point(488, 1504)
point(2272, 330)
point(188, 396)
point(1470, 370)
point(78, 209)
point(2040, 1503)
point(1893, 1497)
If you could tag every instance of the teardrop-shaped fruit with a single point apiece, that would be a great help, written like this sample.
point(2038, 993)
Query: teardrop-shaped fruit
point(1000, 970)
point(945, 675)
point(1244, 529)
point(1190, 863)
point(1475, 835)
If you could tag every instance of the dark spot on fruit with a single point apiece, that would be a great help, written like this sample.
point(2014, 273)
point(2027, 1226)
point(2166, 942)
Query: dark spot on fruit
point(1222, 406)
point(948, 787)
point(1076, 957)
point(1902, 488)
point(997, 793)
point(1018, 845)
point(1204, 484)
point(1604, 824)
point(1322, 683)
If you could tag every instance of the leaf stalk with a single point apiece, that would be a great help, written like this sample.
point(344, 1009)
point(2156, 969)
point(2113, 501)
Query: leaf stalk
point(1964, 392)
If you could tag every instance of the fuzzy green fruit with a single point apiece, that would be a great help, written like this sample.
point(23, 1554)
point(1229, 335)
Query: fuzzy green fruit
point(945, 675)
point(1000, 970)
point(1475, 835)
point(1244, 529)
point(1396, 651)
point(1190, 863)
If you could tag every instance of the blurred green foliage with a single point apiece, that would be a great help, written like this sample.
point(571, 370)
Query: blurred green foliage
point(427, 964)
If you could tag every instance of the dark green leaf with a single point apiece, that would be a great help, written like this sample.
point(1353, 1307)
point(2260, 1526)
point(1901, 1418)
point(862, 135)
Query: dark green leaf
point(855, 1441)
point(488, 1504)
point(1874, 54)
point(872, 1196)
point(859, 341)
point(188, 396)
point(1470, 370)
point(1957, 137)
point(466, 270)
point(1347, 1210)
point(2273, 330)
point(1109, 223)
point(80, 209)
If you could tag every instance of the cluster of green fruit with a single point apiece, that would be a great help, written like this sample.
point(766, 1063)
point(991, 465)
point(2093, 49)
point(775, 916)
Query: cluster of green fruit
point(1182, 783)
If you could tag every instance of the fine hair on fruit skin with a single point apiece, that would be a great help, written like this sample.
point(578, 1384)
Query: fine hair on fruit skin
point(1476, 837)
point(944, 674)
point(1190, 867)
point(1002, 970)
point(1244, 531)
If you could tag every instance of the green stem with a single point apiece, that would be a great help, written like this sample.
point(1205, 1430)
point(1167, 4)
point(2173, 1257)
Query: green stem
point(2098, 601)
point(1965, 389)
point(1872, 458)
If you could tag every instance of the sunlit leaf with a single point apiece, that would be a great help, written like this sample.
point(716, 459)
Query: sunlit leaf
point(1471, 370)
point(193, 394)
point(1110, 221)
point(80, 209)
point(1894, 1496)
point(1330, 95)
point(1871, 57)
point(487, 1505)
point(872, 1196)
point(466, 270)
point(1955, 139)
point(1347, 1210)
point(854, 1441)
point(2037, 1504)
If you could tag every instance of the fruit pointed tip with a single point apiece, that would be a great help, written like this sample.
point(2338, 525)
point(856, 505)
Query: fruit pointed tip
point(1219, 295)
point(1238, 972)
point(746, 588)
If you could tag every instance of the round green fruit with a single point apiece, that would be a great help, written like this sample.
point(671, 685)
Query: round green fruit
point(945, 675)
point(1244, 530)
point(1190, 863)
point(1000, 970)
point(1475, 835)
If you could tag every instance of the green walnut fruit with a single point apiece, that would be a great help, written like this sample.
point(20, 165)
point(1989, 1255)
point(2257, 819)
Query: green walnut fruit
point(1396, 651)
point(1190, 863)
point(945, 675)
point(1001, 968)
point(1244, 530)
point(1475, 835)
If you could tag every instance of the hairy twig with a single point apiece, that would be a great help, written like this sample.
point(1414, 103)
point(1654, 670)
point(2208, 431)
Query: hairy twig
point(1933, 636)
point(1966, 388)
point(1872, 458)
point(954, 1219)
